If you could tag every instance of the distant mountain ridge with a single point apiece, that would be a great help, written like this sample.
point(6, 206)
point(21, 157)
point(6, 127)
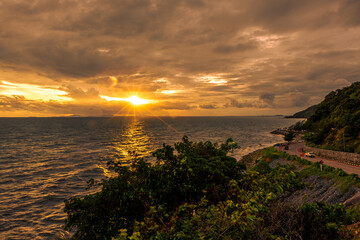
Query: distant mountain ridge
point(335, 123)
point(304, 113)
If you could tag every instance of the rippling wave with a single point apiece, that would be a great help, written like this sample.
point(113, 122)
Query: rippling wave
point(44, 161)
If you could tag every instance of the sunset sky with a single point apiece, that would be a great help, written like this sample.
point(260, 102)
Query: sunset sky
point(179, 57)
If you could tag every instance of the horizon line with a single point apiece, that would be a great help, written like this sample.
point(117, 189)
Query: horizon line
point(273, 115)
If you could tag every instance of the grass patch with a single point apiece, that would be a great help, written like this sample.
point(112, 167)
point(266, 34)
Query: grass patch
point(271, 153)
point(343, 179)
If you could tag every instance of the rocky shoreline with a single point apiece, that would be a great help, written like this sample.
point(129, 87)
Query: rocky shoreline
point(280, 131)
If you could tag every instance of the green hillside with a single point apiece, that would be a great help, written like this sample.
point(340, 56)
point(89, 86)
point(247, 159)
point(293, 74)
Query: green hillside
point(336, 121)
point(304, 113)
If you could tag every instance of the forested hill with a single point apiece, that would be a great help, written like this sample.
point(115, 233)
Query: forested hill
point(336, 121)
point(304, 113)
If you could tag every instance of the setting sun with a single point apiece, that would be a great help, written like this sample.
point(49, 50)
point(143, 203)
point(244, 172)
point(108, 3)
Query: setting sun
point(134, 100)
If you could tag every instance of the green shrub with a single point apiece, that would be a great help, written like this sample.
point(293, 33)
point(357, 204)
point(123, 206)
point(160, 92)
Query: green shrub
point(171, 181)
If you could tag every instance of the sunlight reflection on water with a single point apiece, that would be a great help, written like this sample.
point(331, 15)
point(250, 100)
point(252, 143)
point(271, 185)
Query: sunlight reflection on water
point(135, 141)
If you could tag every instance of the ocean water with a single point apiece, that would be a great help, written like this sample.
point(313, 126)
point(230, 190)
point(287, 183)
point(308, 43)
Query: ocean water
point(44, 161)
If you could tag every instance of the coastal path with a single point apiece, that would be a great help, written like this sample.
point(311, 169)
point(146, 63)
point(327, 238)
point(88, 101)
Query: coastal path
point(296, 149)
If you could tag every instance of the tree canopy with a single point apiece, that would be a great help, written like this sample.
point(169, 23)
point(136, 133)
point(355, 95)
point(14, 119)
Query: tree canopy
point(289, 136)
point(336, 121)
point(185, 173)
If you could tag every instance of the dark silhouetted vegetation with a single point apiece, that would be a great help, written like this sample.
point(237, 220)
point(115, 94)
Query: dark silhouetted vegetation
point(289, 136)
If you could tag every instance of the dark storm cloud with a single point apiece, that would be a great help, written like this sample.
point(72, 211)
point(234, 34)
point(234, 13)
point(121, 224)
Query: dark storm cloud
point(299, 99)
point(167, 105)
point(348, 12)
point(226, 49)
point(290, 15)
point(258, 47)
point(207, 106)
point(267, 98)
point(244, 104)
point(220, 88)
point(335, 54)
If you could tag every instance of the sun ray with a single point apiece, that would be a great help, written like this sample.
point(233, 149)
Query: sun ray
point(163, 121)
point(136, 103)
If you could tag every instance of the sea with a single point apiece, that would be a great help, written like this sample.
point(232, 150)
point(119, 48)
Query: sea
point(44, 161)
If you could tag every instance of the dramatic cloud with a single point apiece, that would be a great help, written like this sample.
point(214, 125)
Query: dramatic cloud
point(273, 56)
point(267, 98)
point(244, 104)
point(100, 108)
point(79, 94)
point(207, 106)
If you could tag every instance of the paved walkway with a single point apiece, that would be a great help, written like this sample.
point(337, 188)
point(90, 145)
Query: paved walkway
point(296, 149)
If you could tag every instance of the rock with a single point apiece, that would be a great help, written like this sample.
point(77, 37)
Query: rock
point(323, 190)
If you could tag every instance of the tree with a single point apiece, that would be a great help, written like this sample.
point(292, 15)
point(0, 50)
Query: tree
point(289, 136)
point(181, 174)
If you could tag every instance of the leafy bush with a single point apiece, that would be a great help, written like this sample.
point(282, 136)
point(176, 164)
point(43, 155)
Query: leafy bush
point(180, 174)
point(319, 220)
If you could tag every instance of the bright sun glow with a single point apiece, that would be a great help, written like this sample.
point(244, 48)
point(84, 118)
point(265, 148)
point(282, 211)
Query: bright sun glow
point(134, 100)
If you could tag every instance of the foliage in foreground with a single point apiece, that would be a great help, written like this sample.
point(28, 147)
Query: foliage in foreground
point(197, 170)
point(195, 191)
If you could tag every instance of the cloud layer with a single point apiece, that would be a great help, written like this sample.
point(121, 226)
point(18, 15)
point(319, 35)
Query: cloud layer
point(243, 57)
